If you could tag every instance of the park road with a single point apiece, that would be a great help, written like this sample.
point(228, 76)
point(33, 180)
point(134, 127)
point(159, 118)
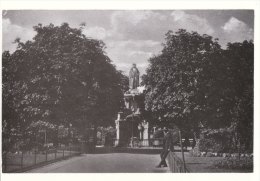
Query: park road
point(105, 163)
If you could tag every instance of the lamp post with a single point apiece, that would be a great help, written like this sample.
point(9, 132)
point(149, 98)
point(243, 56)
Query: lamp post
point(70, 125)
point(133, 112)
point(132, 138)
point(45, 136)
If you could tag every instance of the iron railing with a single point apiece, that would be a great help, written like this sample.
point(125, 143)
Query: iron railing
point(152, 142)
point(176, 165)
point(24, 160)
point(135, 142)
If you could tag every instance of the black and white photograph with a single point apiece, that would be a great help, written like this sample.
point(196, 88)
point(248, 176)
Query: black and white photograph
point(128, 91)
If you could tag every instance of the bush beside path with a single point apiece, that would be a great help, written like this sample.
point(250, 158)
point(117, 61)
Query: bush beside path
point(208, 164)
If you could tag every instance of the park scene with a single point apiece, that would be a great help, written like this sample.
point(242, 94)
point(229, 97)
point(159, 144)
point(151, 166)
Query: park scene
point(130, 91)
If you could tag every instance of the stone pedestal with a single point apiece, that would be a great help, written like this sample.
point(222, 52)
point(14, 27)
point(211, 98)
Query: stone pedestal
point(123, 132)
point(131, 127)
point(117, 122)
point(146, 130)
point(131, 101)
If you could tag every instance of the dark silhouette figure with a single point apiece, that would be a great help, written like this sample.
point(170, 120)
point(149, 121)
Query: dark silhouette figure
point(167, 147)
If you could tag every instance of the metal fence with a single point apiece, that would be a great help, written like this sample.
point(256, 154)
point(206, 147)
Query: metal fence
point(135, 142)
point(176, 165)
point(156, 142)
point(21, 160)
point(152, 142)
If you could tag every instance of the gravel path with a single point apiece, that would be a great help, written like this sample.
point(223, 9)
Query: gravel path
point(105, 163)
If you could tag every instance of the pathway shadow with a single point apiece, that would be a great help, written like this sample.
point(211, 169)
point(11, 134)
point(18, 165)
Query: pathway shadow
point(108, 150)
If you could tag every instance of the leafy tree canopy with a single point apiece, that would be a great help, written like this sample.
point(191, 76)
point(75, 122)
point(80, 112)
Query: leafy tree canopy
point(61, 77)
point(193, 82)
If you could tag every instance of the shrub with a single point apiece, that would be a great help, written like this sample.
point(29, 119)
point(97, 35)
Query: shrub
point(209, 145)
point(234, 163)
point(158, 134)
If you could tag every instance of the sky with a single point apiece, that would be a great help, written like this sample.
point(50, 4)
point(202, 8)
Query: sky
point(132, 36)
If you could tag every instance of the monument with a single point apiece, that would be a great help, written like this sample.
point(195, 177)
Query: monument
point(133, 77)
point(132, 126)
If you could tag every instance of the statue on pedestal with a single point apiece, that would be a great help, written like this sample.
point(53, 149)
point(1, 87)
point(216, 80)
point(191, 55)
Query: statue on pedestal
point(132, 127)
point(134, 77)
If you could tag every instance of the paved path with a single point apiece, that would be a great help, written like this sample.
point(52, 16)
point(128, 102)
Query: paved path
point(105, 163)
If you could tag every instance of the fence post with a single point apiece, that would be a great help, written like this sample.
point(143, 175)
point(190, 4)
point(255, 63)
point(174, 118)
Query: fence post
point(5, 162)
point(35, 157)
point(46, 155)
point(184, 166)
point(22, 160)
point(70, 150)
point(172, 162)
point(55, 155)
point(63, 153)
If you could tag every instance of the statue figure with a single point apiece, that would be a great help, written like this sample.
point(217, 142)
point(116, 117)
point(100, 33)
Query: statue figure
point(133, 77)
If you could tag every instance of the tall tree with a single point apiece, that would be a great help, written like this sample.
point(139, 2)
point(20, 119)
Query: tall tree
point(60, 77)
point(240, 58)
point(194, 82)
point(175, 79)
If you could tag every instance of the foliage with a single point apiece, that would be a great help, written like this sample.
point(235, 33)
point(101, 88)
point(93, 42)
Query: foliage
point(241, 82)
point(210, 145)
point(105, 135)
point(235, 163)
point(193, 83)
point(60, 77)
point(217, 140)
point(158, 134)
point(176, 77)
point(107, 131)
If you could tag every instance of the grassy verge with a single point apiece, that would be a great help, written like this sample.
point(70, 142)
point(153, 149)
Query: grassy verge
point(212, 165)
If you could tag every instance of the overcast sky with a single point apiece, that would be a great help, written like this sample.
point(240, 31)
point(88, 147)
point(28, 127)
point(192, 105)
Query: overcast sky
point(133, 36)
